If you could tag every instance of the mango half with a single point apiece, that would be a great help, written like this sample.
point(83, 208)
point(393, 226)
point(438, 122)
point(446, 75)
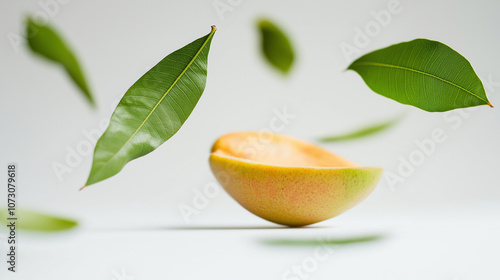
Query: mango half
point(288, 181)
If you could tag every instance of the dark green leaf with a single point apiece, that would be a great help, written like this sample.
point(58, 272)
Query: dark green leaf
point(43, 40)
point(28, 220)
point(275, 46)
point(422, 73)
point(153, 109)
point(313, 242)
point(363, 132)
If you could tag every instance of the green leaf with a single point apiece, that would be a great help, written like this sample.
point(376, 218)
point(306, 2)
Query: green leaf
point(28, 220)
point(363, 132)
point(45, 41)
point(275, 46)
point(313, 242)
point(422, 73)
point(153, 109)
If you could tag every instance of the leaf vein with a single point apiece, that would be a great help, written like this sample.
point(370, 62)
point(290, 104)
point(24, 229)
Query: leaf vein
point(421, 72)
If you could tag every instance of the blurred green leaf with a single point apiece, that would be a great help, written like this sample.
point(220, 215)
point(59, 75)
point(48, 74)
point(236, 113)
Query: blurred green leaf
point(153, 109)
point(363, 132)
point(312, 242)
point(44, 40)
point(28, 220)
point(423, 73)
point(276, 47)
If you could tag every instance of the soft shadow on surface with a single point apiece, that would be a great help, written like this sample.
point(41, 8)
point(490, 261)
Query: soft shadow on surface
point(166, 228)
point(238, 227)
point(318, 241)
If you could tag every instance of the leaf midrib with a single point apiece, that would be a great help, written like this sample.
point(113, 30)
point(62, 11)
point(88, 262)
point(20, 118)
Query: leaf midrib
point(423, 73)
point(161, 99)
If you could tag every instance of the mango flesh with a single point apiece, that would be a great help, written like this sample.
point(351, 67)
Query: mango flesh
point(288, 181)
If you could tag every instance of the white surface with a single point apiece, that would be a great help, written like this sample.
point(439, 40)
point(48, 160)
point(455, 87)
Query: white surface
point(441, 222)
point(438, 243)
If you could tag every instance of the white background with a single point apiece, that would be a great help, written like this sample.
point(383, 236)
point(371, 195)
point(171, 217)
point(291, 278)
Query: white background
point(442, 222)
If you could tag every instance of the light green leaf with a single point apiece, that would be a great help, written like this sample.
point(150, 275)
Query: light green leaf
point(28, 220)
point(153, 109)
point(319, 242)
point(44, 41)
point(422, 73)
point(275, 46)
point(363, 132)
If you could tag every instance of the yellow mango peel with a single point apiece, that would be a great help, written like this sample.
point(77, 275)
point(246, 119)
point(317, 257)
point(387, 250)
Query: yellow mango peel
point(288, 181)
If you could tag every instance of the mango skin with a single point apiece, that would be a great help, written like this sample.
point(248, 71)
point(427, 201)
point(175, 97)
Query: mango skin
point(293, 196)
